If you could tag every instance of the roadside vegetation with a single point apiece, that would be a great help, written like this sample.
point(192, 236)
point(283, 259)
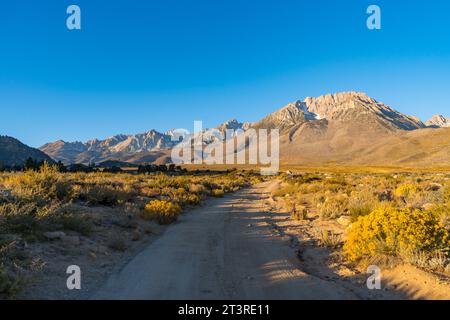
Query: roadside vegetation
point(375, 217)
point(45, 205)
point(366, 218)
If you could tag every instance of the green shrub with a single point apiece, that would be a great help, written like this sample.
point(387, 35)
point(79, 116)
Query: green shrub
point(21, 218)
point(10, 285)
point(70, 218)
point(118, 243)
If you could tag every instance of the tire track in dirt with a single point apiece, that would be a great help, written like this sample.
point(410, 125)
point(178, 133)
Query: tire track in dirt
point(225, 250)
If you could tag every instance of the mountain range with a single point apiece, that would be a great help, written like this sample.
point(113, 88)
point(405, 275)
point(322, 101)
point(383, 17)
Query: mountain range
point(347, 128)
point(143, 147)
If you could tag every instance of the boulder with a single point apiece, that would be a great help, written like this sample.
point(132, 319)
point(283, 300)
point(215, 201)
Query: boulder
point(344, 221)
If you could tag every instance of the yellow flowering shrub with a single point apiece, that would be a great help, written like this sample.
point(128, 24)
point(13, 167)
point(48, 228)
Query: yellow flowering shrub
point(164, 212)
point(47, 184)
point(406, 190)
point(182, 197)
point(218, 193)
point(392, 231)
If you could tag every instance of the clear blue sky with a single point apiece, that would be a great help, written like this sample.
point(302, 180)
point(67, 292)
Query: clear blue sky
point(138, 65)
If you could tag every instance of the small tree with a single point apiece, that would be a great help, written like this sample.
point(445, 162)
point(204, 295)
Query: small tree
point(162, 168)
point(31, 164)
point(61, 167)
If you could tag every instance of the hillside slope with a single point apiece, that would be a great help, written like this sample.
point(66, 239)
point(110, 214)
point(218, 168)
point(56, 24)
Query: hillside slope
point(15, 153)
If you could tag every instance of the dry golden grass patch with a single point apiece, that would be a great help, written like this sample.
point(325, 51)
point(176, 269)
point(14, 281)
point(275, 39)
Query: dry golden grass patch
point(402, 215)
point(34, 203)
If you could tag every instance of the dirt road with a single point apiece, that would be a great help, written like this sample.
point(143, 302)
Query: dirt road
point(224, 250)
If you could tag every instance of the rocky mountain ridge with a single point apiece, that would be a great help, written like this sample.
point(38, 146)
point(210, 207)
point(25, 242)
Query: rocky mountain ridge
point(438, 121)
point(332, 127)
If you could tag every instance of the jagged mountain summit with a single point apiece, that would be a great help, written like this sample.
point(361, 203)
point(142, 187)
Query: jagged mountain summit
point(233, 124)
point(352, 128)
point(15, 153)
point(438, 121)
point(150, 146)
point(341, 128)
point(340, 107)
point(116, 147)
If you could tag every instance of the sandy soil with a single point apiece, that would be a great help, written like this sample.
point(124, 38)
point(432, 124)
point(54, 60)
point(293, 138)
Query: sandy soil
point(399, 280)
point(239, 248)
point(93, 254)
point(242, 246)
point(224, 251)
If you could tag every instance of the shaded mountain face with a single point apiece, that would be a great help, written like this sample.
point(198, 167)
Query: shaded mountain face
point(438, 121)
point(15, 153)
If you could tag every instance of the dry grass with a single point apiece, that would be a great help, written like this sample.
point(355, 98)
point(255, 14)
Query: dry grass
point(415, 206)
point(33, 203)
point(328, 238)
point(118, 243)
